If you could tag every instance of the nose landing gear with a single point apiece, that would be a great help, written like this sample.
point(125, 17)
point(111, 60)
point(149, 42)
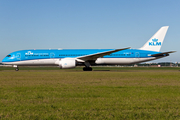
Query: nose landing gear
point(17, 69)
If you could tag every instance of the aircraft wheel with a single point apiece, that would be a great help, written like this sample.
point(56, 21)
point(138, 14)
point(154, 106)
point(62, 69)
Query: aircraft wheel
point(17, 69)
point(90, 69)
point(87, 69)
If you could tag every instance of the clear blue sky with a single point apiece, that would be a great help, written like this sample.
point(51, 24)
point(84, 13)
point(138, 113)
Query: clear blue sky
point(27, 24)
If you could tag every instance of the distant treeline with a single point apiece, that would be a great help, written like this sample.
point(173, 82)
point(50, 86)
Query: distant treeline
point(150, 64)
point(161, 64)
point(156, 64)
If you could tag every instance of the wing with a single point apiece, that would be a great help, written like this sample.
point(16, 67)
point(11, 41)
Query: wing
point(97, 55)
point(162, 54)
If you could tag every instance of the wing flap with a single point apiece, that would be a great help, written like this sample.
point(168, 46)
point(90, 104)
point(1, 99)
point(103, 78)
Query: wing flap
point(97, 55)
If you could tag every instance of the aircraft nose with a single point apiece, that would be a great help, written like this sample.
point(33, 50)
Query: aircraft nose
point(4, 60)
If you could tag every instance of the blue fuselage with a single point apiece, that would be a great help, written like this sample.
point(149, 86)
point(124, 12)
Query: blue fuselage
point(25, 55)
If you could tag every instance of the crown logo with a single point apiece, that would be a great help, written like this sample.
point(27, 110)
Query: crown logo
point(29, 53)
point(154, 40)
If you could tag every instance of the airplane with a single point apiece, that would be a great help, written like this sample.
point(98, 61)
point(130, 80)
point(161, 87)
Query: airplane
point(70, 58)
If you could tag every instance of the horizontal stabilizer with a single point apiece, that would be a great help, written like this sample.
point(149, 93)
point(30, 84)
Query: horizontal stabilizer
point(162, 54)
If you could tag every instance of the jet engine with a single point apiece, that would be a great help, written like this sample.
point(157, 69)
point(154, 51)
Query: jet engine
point(67, 63)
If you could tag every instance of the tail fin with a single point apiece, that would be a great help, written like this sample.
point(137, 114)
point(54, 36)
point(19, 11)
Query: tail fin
point(155, 42)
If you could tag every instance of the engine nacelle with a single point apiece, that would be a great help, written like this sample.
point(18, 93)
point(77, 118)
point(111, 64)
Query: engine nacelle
point(67, 63)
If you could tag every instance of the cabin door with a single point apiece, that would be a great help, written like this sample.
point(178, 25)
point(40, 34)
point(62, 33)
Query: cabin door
point(137, 55)
point(18, 56)
point(52, 55)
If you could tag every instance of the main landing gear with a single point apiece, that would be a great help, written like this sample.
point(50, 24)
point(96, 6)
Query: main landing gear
point(87, 69)
point(87, 66)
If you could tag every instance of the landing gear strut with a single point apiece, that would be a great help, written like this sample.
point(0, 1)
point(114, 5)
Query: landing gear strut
point(87, 69)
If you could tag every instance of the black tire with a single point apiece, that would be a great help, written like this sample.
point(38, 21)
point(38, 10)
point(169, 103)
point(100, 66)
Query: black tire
point(17, 69)
point(87, 69)
point(90, 69)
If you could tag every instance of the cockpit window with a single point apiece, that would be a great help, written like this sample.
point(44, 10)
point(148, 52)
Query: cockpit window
point(8, 56)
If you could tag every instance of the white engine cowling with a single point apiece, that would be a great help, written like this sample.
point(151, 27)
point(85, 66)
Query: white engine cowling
point(67, 63)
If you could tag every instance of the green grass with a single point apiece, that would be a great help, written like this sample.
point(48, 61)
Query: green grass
point(121, 93)
point(94, 68)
